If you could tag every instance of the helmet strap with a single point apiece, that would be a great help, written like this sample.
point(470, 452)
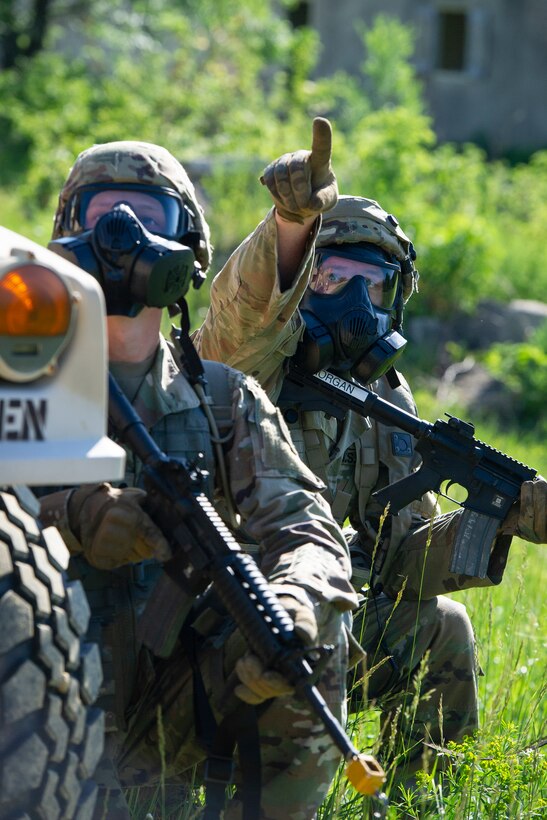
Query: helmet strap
point(399, 306)
point(392, 378)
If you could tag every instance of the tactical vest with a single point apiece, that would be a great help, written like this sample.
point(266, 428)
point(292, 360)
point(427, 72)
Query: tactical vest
point(184, 435)
point(117, 597)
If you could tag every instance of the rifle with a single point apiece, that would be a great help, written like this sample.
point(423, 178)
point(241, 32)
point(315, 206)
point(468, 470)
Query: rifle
point(205, 553)
point(449, 451)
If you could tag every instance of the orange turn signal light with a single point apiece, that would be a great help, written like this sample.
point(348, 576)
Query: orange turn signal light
point(34, 301)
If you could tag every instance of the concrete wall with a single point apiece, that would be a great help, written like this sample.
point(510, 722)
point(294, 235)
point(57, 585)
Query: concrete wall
point(497, 97)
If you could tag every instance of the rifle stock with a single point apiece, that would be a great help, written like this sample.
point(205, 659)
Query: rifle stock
point(204, 553)
point(449, 452)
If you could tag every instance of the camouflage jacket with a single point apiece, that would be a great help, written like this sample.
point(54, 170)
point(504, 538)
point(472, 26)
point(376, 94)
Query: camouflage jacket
point(251, 325)
point(277, 496)
point(255, 327)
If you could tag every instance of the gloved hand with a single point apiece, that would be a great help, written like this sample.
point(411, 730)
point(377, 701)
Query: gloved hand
point(112, 527)
point(528, 517)
point(303, 184)
point(259, 684)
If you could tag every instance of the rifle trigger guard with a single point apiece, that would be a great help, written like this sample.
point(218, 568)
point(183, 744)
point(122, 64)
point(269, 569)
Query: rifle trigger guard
point(444, 493)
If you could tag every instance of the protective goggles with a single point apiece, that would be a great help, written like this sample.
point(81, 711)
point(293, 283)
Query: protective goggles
point(332, 272)
point(160, 210)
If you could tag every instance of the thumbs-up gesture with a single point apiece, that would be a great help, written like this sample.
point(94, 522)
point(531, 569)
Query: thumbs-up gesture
point(303, 184)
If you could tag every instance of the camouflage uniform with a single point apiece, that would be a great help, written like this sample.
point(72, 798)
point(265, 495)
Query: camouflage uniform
point(302, 552)
point(254, 326)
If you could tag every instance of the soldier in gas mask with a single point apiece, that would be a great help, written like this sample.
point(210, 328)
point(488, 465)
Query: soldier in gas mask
point(129, 215)
point(324, 281)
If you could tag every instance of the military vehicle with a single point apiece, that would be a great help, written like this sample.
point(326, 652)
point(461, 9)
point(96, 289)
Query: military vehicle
point(53, 433)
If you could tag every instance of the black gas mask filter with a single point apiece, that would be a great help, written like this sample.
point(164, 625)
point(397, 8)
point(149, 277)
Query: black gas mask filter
point(134, 267)
point(352, 326)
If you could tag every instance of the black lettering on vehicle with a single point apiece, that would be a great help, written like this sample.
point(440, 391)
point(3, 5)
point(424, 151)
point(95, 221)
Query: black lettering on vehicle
point(23, 419)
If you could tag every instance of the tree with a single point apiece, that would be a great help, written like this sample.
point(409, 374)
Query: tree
point(24, 27)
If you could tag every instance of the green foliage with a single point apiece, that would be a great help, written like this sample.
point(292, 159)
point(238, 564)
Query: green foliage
point(389, 48)
point(227, 86)
point(523, 369)
point(495, 778)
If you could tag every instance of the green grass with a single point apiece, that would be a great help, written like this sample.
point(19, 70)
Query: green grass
point(502, 771)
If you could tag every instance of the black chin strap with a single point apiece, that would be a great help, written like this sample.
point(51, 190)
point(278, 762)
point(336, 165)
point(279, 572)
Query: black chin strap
point(392, 378)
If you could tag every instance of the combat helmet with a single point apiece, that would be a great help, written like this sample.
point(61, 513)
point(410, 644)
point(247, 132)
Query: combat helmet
point(357, 219)
point(139, 163)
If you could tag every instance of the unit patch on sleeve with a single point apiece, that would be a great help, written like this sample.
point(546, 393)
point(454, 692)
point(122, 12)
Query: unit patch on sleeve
point(401, 444)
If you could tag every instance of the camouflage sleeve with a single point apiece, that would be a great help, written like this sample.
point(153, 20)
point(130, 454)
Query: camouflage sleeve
point(251, 325)
point(424, 560)
point(280, 502)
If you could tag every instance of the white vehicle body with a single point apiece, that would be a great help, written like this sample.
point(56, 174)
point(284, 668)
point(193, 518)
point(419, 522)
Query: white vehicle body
point(53, 416)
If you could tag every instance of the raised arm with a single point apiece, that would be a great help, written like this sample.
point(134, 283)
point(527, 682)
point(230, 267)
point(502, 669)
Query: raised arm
point(253, 322)
point(302, 185)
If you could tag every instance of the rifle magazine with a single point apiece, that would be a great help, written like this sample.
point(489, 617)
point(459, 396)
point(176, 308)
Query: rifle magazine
point(472, 547)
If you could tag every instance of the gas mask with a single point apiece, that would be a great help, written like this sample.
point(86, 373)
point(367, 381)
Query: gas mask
point(352, 310)
point(133, 266)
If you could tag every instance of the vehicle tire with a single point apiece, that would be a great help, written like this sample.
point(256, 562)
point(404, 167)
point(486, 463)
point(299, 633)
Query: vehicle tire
point(51, 738)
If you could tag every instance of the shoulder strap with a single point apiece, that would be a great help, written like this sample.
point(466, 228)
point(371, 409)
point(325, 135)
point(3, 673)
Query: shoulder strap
point(239, 727)
point(208, 383)
point(220, 390)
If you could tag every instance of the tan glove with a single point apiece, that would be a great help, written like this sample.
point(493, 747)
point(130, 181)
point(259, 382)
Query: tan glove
point(259, 684)
point(303, 184)
point(112, 527)
point(528, 517)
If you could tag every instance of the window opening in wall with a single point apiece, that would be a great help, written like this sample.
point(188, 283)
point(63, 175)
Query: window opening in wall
point(299, 14)
point(452, 40)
